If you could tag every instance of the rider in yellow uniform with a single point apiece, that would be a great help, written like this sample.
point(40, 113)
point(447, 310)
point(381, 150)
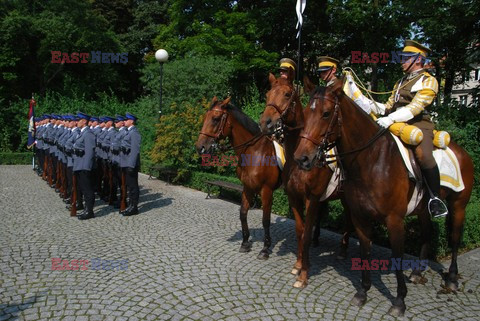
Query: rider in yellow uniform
point(285, 65)
point(411, 98)
point(327, 68)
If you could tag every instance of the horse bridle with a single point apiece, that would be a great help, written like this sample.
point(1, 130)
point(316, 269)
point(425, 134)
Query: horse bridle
point(324, 144)
point(280, 126)
point(220, 133)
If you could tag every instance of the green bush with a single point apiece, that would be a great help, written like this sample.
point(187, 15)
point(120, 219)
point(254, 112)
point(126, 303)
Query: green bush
point(16, 158)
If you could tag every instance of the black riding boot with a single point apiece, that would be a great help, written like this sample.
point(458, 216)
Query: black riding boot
point(435, 206)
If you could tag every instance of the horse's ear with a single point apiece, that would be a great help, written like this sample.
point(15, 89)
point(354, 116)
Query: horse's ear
point(214, 101)
point(271, 78)
point(308, 85)
point(226, 102)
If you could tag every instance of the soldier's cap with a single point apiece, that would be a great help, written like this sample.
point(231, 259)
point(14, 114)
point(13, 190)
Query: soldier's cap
point(81, 115)
point(47, 116)
point(326, 63)
point(286, 63)
point(131, 116)
point(413, 48)
point(119, 118)
point(107, 118)
point(93, 118)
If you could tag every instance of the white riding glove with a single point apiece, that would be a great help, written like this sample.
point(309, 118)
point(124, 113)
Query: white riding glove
point(385, 122)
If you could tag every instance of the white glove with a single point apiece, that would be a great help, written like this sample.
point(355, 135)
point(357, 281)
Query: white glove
point(385, 122)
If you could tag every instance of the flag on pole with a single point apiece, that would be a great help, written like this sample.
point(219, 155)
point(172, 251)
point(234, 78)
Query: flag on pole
point(31, 124)
point(300, 8)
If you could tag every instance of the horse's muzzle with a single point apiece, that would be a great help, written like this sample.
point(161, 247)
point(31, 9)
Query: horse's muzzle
point(304, 162)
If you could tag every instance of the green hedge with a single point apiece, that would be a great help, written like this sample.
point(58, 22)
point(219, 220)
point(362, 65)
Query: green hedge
point(16, 158)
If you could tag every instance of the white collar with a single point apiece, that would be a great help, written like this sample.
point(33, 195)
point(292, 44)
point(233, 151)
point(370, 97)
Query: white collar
point(110, 128)
point(83, 129)
point(129, 128)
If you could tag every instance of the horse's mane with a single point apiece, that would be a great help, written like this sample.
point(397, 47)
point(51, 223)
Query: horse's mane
point(319, 91)
point(248, 123)
point(244, 120)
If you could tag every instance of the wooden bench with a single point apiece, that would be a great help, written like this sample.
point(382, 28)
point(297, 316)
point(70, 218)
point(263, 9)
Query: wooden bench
point(167, 172)
point(227, 185)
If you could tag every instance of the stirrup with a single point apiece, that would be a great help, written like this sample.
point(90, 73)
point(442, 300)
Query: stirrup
point(443, 208)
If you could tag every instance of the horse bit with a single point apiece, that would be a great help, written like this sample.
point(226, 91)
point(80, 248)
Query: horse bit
point(324, 145)
point(279, 127)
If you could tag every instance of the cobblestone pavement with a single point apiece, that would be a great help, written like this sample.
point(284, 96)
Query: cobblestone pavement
point(184, 264)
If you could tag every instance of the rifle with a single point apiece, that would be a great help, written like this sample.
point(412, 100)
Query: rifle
point(59, 175)
point(45, 160)
point(123, 193)
point(50, 169)
point(73, 199)
point(110, 183)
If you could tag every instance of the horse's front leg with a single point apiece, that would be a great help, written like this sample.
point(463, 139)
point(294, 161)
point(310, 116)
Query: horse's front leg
point(363, 229)
point(296, 204)
point(247, 198)
point(322, 211)
point(455, 223)
point(311, 207)
point(426, 231)
point(396, 231)
point(347, 231)
point(267, 200)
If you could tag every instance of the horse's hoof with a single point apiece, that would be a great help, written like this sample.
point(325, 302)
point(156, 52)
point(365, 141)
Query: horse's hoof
point(295, 271)
point(247, 247)
point(397, 311)
point(359, 299)
point(263, 255)
point(342, 254)
point(418, 279)
point(452, 285)
point(300, 284)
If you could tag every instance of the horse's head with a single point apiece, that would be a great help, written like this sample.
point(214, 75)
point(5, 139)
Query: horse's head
point(215, 126)
point(280, 107)
point(321, 127)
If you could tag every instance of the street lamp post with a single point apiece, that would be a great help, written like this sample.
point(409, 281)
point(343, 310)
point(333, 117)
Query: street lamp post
point(162, 56)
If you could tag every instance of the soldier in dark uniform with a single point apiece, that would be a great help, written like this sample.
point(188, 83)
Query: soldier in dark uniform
point(106, 145)
point(70, 154)
point(115, 154)
point(84, 157)
point(130, 162)
point(40, 129)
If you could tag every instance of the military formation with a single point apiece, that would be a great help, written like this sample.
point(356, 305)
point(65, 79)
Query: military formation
point(83, 157)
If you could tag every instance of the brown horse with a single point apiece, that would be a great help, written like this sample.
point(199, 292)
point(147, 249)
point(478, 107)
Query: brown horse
point(377, 185)
point(224, 120)
point(284, 117)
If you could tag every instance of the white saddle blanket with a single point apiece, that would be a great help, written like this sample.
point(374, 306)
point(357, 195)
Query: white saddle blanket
point(280, 153)
point(334, 180)
point(450, 175)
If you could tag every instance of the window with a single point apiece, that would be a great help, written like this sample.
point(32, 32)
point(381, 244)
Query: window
point(463, 100)
point(477, 74)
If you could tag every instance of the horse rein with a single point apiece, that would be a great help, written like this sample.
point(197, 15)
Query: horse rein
point(223, 122)
point(289, 106)
point(324, 145)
